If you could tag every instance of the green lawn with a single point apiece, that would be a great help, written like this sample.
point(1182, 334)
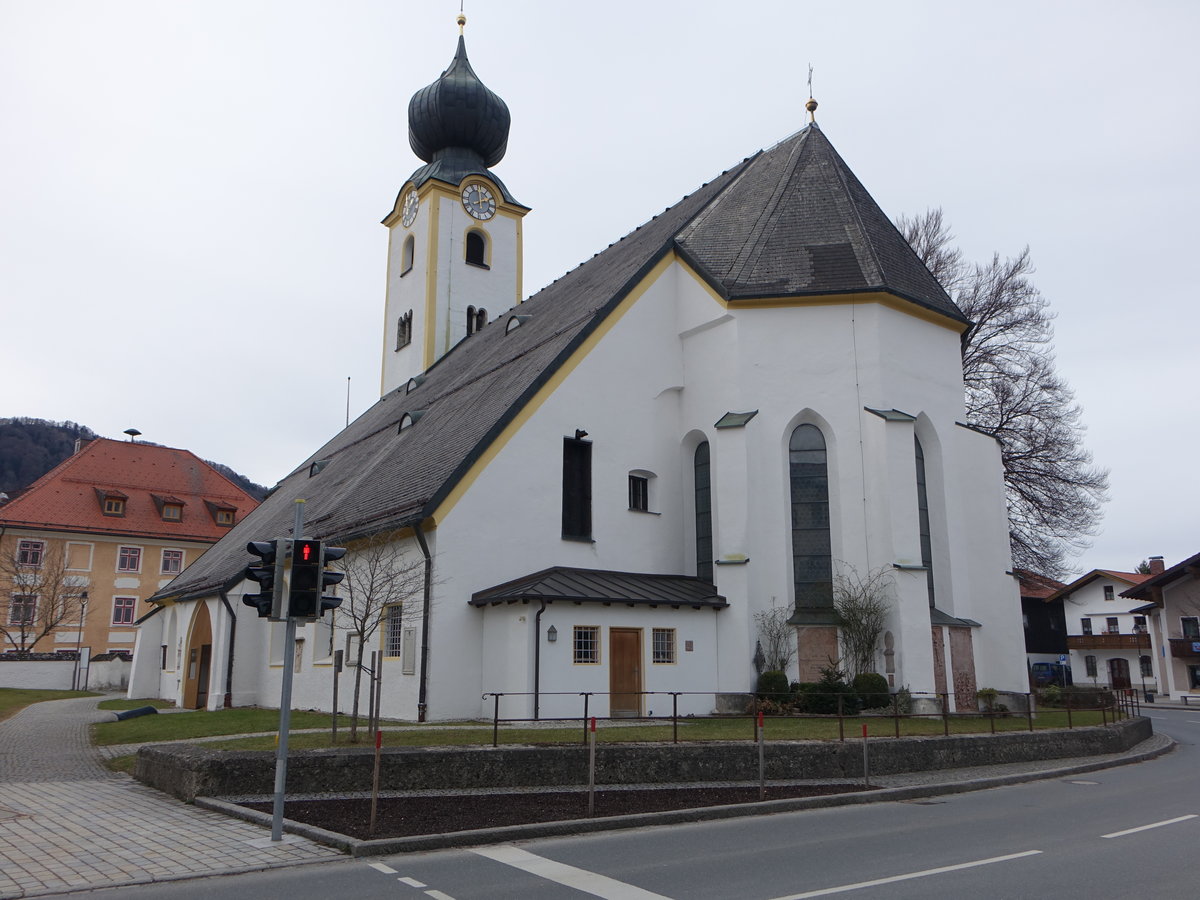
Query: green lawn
point(199, 723)
point(13, 700)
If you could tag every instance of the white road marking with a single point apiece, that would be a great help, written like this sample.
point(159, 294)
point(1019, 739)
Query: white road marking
point(1148, 827)
point(1193, 721)
point(380, 867)
point(878, 881)
point(412, 882)
point(570, 876)
point(438, 895)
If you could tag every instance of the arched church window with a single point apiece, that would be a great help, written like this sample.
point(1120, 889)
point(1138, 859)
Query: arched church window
point(481, 318)
point(471, 320)
point(477, 249)
point(704, 529)
point(812, 560)
point(923, 517)
point(406, 255)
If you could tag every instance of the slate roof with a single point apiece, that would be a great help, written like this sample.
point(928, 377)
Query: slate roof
point(377, 478)
point(598, 586)
point(68, 497)
point(799, 223)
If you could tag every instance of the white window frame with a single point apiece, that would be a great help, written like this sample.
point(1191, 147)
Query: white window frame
point(393, 634)
point(163, 563)
point(130, 608)
point(137, 551)
point(22, 601)
point(31, 552)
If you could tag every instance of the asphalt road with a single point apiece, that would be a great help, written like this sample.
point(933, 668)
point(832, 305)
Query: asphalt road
point(1130, 831)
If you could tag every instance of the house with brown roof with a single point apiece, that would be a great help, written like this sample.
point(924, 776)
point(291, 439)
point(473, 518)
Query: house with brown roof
point(1109, 645)
point(723, 415)
point(1045, 628)
point(1170, 597)
point(84, 547)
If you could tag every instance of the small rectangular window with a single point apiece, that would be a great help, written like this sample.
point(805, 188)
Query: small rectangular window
point(1109, 593)
point(586, 645)
point(1087, 625)
point(172, 512)
point(393, 635)
point(223, 516)
point(1089, 664)
point(29, 553)
point(1147, 666)
point(172, 562)
point(1113, 625)
point(129, 559)
point(577, 489)
point(1191, 627)
point(114, 506)
point(663, 646)
point(22, 609)
point(639, 493)
point(123, 609)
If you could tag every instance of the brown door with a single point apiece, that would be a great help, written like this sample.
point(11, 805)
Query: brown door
point(625, 672)
point(203, 676)
point(1118, 674)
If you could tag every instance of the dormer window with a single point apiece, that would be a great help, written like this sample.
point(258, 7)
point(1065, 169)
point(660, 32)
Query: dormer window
point(222, 513)
point(409, 419)
point(112, 503)
point(476, 254)
point(172, 512)
point(515, 322)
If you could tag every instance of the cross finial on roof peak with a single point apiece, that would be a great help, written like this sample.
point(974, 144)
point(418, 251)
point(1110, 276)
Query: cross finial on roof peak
point(811, 105)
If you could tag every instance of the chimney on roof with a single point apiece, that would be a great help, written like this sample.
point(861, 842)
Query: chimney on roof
point(1156, 565)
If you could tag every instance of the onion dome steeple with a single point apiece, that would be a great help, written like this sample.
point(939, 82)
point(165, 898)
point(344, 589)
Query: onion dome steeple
point(458, 113)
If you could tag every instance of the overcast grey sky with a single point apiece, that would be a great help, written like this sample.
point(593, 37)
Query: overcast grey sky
point(190, 192)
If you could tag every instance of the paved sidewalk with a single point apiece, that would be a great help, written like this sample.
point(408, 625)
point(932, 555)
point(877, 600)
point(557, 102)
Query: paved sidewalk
point(67, 823)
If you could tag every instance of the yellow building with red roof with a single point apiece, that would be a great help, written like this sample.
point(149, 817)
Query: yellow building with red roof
point(87, 543)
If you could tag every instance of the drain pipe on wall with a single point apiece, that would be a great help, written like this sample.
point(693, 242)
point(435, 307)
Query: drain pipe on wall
point(537, 660)
point(228, 702)
point(423, 689)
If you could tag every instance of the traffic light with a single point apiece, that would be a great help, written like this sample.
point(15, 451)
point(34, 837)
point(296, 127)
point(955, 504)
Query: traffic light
point(267, 571)
point(328, 555)
point(304, 589)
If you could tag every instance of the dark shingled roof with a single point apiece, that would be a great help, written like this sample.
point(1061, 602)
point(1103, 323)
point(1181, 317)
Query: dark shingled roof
point(797, 223)
point(598, 586)
point(378, 478)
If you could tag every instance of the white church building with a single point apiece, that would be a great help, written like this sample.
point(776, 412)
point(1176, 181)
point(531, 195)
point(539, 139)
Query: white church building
point(603, 483)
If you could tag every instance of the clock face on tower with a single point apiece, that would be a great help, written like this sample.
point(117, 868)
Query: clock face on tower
point(411, 205)
point(478, 201)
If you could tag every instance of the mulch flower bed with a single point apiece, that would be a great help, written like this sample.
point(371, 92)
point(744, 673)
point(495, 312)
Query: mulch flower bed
point(407, 816)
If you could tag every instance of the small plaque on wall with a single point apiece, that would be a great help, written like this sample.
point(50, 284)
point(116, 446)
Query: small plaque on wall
point(687, 646)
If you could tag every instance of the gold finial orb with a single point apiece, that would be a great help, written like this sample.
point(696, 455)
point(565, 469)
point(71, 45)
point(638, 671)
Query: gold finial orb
point(811, 106)
point(462, 21)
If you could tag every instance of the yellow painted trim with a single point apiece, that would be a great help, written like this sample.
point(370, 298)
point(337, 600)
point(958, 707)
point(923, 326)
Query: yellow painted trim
point(883, 298)
point(387, 296)
point(520, 223)
point(431, 261)
point(550, 387)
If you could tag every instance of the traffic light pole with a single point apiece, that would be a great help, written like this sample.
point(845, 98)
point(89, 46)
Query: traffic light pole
point(285, 700)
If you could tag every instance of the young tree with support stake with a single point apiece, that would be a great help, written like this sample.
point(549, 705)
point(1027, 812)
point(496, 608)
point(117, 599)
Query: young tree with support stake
point(379, 575)
point(38, 596)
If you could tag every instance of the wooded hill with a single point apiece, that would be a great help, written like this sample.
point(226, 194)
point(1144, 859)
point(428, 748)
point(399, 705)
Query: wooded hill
point(29, 448)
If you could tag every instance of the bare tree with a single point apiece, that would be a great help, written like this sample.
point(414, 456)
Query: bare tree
point(862, 602)
point(1013, 393)
point(380, 578)
point(777, 638)
point(38, 595)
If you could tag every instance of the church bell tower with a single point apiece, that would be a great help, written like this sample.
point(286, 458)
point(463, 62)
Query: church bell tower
point(454, 246)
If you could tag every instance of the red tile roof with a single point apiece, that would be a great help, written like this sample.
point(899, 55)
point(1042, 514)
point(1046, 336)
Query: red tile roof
point(68, 497)
point(1037, 586)
point(1130, 578)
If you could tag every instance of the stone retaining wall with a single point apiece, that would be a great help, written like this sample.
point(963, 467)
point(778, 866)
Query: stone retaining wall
point(190, 771)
